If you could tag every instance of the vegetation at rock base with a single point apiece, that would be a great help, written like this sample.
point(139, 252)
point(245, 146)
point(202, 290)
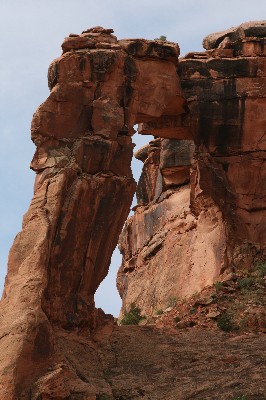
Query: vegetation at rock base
point(102, 397)
point(261, 269)
point(218, 285)
point(133, 316)
point(171, 302)
point(246, 283)
point(235, 305)
point(225, 323)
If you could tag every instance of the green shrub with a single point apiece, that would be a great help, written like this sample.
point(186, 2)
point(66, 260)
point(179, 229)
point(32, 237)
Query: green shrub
point(225, 323)
point(159, 312)
point(218, 285)
point(240, 398)
point(261, 269)
point(162, 37)
point(171, 302)
point(133, 316)
point(246, 283)
point(108, 373)
point(177, 319)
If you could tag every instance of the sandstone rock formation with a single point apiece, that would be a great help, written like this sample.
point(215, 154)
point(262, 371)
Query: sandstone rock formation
point(100, 88)
point(186, 233)
point(225, 89)
point(168, 252)
point(184, 237)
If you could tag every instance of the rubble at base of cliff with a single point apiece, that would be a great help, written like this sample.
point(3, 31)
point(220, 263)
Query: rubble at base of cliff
point(236, 305)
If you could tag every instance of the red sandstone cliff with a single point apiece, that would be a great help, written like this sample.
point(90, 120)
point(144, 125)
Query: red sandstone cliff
point(100, 88)
point(54, 344)
point(168, 251)
point(183, 236)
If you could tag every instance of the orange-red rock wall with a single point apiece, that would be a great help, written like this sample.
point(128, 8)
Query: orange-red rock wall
point(198, 208)
point(224, 226)
point(83, 191)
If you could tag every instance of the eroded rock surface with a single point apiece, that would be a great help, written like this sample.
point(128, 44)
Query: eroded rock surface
point(168, 252)
point(100, 87)
point(185, 237)
point(226, 97)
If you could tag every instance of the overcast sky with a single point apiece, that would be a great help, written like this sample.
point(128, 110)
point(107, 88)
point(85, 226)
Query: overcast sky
point(31, 33)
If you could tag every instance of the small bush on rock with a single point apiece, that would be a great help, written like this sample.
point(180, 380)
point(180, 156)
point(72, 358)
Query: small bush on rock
point(162, 37)
point(218, 285)
point(171, 302)
point(261, 269)
point(133, 316)
point(225, 323)
point(246, 283)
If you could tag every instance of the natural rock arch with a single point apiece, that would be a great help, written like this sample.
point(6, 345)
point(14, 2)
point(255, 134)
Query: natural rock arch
point(100, 88)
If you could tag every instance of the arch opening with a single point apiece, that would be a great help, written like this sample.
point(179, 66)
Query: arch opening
point(107, 296)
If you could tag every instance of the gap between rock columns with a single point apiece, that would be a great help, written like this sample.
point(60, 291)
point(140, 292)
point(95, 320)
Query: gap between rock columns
point(100, 88)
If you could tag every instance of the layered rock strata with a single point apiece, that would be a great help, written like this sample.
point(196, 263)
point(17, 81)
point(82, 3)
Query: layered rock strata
point(168, 251)
point(182, 238)
point(226, 89)
point(184, 235)
point(100, 87)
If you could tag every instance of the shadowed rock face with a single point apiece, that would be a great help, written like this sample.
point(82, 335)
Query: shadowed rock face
point(225, 89)
point(181, 238)
point(100, 88)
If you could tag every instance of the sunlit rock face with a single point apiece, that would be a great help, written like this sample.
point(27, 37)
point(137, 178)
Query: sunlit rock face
point(168, 251)
point(100, 87)
point(199, 218)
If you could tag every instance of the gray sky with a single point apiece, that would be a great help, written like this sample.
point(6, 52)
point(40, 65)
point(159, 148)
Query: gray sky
point(31, 33)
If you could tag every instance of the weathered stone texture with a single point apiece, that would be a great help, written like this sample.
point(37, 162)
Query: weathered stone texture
point(226, 98)
point(83, 191)
point(224, 207)
point(254, 30)
point(201, 196)
point(168, 252)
